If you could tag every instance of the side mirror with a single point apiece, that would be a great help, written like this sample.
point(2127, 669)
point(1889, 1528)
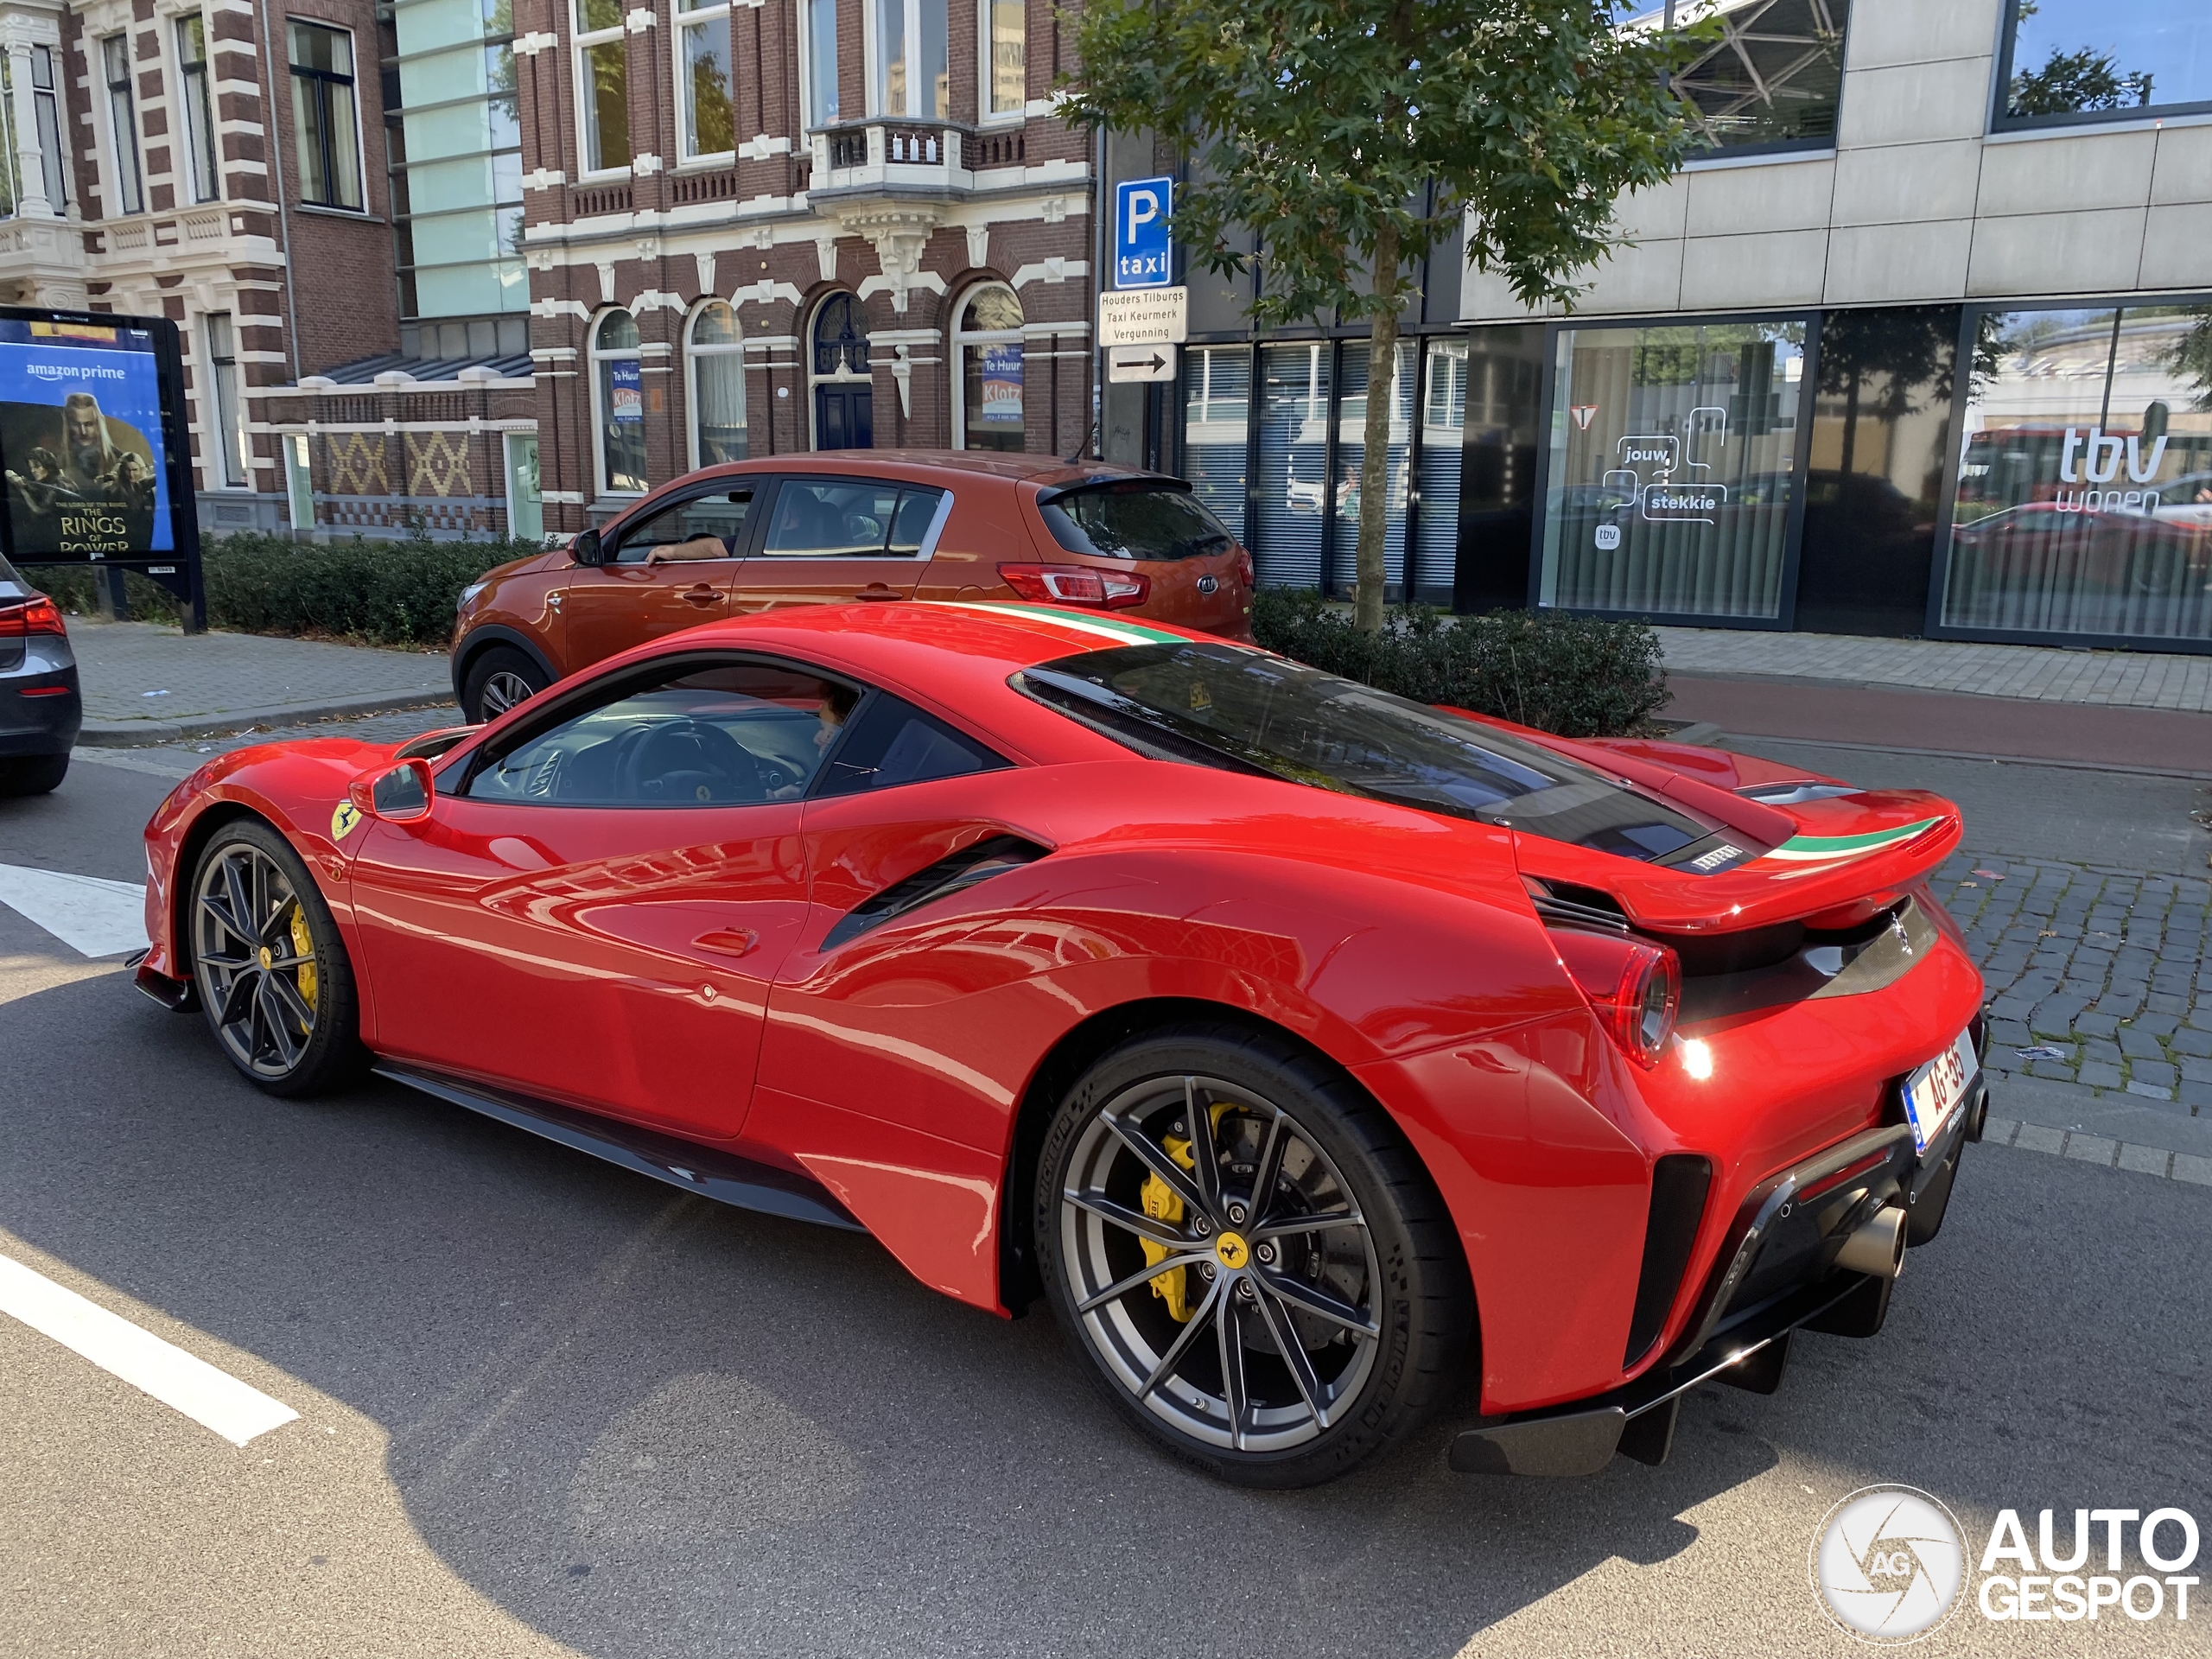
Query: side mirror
point(585, 548)
point(400, 794)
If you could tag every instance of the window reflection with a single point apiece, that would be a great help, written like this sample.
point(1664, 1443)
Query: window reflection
point(2084, 500)
point(1673, 468)
point(1773, 80)
point(2075, 61)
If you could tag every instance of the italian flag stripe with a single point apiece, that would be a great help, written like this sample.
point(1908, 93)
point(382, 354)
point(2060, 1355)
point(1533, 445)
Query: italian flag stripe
point(1120, 634)
point(1800, 849)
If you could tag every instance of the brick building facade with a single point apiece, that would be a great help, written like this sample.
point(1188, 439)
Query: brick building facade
point(156, 165)
point(890, 242)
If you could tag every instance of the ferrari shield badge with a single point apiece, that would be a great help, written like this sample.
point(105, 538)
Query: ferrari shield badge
point(343, 820)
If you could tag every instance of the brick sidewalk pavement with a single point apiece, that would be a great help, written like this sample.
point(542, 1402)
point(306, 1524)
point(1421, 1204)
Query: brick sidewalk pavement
point(146, 684)
point(2131, 679)
point(2099, 974)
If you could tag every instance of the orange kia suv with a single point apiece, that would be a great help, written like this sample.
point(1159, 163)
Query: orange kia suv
point(827, 529)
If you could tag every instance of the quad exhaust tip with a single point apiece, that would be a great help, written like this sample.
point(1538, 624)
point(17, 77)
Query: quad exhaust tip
point(1875, 1246)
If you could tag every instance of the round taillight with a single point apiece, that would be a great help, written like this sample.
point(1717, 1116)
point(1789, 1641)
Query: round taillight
point(1633, 985)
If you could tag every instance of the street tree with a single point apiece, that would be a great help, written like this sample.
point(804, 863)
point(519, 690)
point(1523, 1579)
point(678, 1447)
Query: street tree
point(1353, 135)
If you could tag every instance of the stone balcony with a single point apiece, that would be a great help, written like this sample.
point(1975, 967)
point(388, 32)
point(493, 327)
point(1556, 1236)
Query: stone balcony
point(43, 261)
point(882, 157)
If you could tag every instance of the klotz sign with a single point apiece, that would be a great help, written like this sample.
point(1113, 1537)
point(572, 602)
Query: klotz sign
point(1142, 209)
point(1144, 316)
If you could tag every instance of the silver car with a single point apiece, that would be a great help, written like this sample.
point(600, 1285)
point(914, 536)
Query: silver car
point(39, 707)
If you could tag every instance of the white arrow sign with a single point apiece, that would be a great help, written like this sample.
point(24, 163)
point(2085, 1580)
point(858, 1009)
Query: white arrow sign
point(1125, 364)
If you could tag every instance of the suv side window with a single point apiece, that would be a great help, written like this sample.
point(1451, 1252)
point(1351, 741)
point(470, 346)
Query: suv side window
point(819, 518)
point(689, 530)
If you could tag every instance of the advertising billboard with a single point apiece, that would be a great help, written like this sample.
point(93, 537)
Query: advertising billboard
point(94, 448)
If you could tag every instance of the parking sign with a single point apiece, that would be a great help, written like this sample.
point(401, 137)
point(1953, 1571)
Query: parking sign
point(1142, 209)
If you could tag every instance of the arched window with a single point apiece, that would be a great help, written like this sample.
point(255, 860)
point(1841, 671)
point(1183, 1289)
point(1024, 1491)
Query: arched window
point(714, 349)
point(987, 344)
point(844, 413)
point(618, 392)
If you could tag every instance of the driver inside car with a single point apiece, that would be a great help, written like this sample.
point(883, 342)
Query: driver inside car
point(702, 546)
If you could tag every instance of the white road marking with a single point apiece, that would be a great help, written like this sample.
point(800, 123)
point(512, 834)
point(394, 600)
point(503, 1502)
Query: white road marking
point(92, 915)
point(214, 1399)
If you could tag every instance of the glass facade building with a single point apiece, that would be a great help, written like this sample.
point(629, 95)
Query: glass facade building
point(455, 144)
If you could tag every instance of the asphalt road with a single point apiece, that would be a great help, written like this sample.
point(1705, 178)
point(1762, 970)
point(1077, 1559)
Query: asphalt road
point(547, 1407)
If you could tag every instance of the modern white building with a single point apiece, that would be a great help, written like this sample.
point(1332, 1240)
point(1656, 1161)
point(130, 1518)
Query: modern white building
point(1920, 345)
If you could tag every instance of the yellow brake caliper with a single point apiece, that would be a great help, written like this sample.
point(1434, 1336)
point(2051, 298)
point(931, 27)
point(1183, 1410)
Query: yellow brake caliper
point(1159, 1202)
point(303, 945)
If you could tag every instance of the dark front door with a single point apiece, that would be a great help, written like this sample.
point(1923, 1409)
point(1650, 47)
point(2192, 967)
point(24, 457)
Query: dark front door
point(843, 417)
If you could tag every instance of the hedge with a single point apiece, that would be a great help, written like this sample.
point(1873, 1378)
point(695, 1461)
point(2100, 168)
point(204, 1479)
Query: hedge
point(1575, 676)
point(388, 593)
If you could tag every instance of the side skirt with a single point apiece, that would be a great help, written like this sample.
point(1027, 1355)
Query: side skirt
point(722, 1176)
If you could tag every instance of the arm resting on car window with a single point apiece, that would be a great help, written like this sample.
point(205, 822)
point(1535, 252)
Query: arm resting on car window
point(699, 547)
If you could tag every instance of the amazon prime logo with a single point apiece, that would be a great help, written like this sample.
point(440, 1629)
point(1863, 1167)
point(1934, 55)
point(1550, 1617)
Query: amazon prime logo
point(1889, 1562)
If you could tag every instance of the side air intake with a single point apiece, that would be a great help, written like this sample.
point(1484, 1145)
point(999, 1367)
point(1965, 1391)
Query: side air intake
point(953, 873)
point(1678, 1188)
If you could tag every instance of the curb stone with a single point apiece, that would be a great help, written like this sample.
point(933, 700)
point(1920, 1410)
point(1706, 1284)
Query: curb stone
point(141, 734)
point(2098, 1149)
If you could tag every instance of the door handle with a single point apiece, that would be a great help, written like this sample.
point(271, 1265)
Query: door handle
point(877, 590)
point(702, 594)
point(727, 941)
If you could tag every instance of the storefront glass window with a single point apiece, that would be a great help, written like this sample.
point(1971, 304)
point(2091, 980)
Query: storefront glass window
point(1772, 81)
point(618, 373)
point(1352, 451)
point(1673, 468)
point(2068, 62)
point(1443, 425)
point(990, 350)
point(2084, 501)
point(1216, 413)
point(1881, 419)
point(717, 355)
point(1293, 461)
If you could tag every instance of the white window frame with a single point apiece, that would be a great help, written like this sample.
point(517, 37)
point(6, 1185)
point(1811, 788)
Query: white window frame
point(962, 338)
point(811, 118)
point(580, 55)
point(601, 416)
point(680, 23)
point(507, 477)
point(361, 145)
point(879, 69)
point(692, 353)
point(180, 107)
point(122, 147)
point(985, 116)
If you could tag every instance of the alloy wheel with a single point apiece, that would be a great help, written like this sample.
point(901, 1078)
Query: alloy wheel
point(1219, 1264)
point(254, 952)
point(503, 690)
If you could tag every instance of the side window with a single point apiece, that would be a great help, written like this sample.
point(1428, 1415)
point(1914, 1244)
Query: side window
point(704, 527)
point(816, 519)
point(719, 735)
point(893, 742)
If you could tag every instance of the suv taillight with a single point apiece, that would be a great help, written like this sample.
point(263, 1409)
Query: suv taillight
point(1244, 571)
point(1076, 584)
point(37, 615)
point(1633, 985)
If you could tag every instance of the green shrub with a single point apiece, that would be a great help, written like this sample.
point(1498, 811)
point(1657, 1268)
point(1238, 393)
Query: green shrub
point(1576, 676)
point(399, 593)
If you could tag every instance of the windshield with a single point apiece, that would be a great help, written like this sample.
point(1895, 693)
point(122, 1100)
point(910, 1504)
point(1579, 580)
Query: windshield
point(1225, 705)
point(1140, 518)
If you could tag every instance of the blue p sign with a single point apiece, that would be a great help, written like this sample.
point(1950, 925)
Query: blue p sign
point(1142, 210)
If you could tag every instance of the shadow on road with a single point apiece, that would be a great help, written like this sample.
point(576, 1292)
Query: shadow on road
point(644, 1425)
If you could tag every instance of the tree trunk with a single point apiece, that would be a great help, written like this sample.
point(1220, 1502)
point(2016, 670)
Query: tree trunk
point(1375, 461)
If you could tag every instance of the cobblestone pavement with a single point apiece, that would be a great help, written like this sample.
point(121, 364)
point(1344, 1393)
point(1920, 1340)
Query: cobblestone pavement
point(2130, 679)
point(2097, 976)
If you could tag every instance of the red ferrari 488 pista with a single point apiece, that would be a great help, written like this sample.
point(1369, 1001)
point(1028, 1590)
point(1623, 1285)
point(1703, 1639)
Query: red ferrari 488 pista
point(1308, 1050)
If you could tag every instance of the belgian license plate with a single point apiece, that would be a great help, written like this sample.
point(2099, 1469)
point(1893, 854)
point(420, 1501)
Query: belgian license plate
point(1937, 1089)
